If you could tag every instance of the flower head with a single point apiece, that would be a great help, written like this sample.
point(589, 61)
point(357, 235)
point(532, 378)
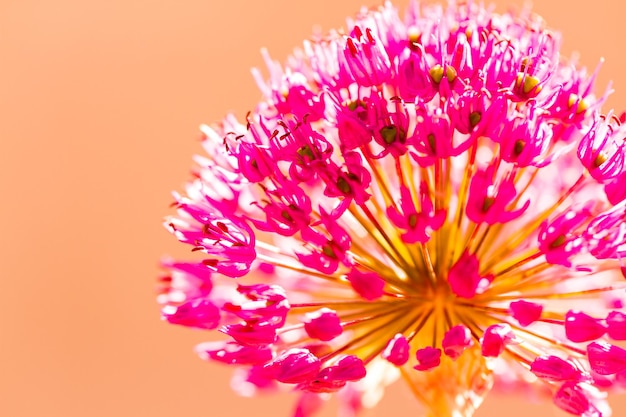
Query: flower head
point(436, 197)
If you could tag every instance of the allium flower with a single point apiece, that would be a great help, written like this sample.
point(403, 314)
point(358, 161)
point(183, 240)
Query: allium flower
point(436, 197)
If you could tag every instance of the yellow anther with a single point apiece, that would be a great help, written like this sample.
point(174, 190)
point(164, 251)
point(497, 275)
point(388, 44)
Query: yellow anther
point(285, 215)
point(528, 83)
point(389, 134)
point(436, 73)
point(526, 62)
point(415, 36)
point(343, 186)
point(353, 105)
point(487, 203)
point(306, 151)
point(450, 73)
point(432, 141)
point(327, 249)
point(600, 159)
point(474, 118)
point(559, 241)
point(582, 103)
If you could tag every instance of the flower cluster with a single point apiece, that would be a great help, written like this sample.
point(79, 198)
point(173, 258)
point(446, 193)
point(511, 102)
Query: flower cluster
point(436, 197)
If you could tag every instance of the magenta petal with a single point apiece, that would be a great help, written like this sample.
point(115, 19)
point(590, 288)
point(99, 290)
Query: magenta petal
point(294, 366)
point(323, 325)
point(199, 313)
point(256, 334)
point(463, 276)
point(616, 323)
point(573, 399)
point(397, 350)
point(525, 312)
point(247, 381)
point(349, 368)
point(553, 368)
point(323, 383)
point(580, 327)
point(605, 358)
point(495, 340)
point(368, 285)
point(428, 358)
point(456, 340)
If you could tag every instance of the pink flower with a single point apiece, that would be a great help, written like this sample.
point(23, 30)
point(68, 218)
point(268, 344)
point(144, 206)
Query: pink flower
point(294, 366)
point(456, 340)
point(495, 340)
point(525, 312)
point(199, 313)
point(554, 368)
point(606, 359)
point(397, 350)
point(436, 196)
point(418, 225)
point(323, 325)
point(490, 203)
point(368, 285)
point(580, 327)
point(427, 358)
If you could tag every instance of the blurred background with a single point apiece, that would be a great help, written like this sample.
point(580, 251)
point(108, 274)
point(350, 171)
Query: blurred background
point(100, 103)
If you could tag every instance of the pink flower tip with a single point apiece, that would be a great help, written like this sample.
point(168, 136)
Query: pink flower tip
point(580, 327)
point(616, 325)
point(605, 358)
point(397, 350)
point(323, 325)
point(525, 312)
point(495, 339)
point(456, 340)
point(464, 277)
point(573, 399)
point(553, 368)
point(198, 313)
point(368, 285)
point(294, 366)
point(348, 368)
point(427, 358)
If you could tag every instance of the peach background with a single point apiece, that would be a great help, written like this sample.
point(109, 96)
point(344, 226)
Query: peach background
point(99, 107)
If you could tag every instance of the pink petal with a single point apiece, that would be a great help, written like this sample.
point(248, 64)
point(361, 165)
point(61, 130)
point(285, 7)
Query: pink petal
point(368, 285)
point(573, 399)
point(397, 350)
point(525, 312)
point(349, 368)
point(456, 340)
point(580, 327)
point(605, 358)
point(495, 339)
point(553, 368)
point(198, 313)
point(616, 323)
point(323, 325)
point(294, 366)
point(464, 277)
point(428, 358)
